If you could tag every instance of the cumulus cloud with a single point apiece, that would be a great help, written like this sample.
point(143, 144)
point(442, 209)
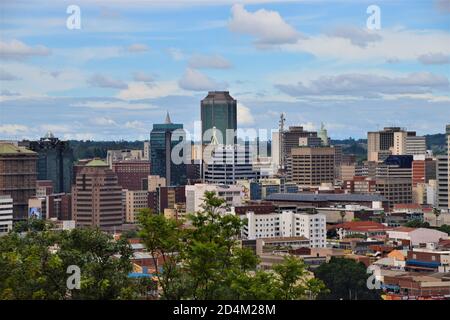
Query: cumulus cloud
point(358, 36)
point(140, 90)
point(103, 121)
point(244, 115)
point(138, 47)
point(12, 129)
point(176, 54)
point(268, 27)
point(17, 50)
point(7, 93)
point(403, 44)
point(209, 62)
point(6, 76)
point(367, 85)
point(102, 81)
point(196, 81)
point(142, 77)
point(434, 58)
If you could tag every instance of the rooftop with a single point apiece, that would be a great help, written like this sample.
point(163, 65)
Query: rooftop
point(322, 197)
point(97, 163)
point(8, 148)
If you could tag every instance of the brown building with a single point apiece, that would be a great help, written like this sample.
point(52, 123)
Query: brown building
point(166, 198)
point(18, 177)
point(311, 166)
point(132, 174)
point(59, 205)
point(97, 197)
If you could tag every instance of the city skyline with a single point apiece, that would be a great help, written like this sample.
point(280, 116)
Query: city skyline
point(131, 62)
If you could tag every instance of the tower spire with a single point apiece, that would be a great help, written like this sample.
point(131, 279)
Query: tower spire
point(168, 121)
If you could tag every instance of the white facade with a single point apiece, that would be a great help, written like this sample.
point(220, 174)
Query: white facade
point(233, 195)
point(417, 236)
point(6, 214)
point(225, 164)
point(287, 224)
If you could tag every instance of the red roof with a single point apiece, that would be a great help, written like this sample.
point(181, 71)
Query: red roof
point(362, 226)
point(404, 229)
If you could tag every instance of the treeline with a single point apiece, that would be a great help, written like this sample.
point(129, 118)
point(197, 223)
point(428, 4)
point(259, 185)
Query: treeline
point(98, 149)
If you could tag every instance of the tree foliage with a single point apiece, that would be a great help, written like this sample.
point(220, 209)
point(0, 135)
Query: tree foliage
point(346, 279)
point(33, 265)
point(204, 260)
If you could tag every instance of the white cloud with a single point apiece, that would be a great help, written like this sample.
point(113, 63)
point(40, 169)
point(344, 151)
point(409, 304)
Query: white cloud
point(244, 115)
point(6, 76)
point(399, 43)
point(196, 81)
point(268, 27)
point(138, 47)
point(102, 81)
point(13, 129)
point(367, 85)
point(17, 50)
point(103, 121)
point(113, 105)
point(142, 77)
point(176, 54)
point(209, 62)
point(358, 36)
point(434, 58)
point(140, 90)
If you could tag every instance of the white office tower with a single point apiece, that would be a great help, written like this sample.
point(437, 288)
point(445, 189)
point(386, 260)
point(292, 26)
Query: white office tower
point(228, 163)
point(287, 224)
point(195, 194)
point(6, 214)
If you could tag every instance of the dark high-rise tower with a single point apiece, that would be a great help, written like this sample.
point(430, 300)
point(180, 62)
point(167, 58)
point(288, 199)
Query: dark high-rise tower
point(55, 161)
point(218, 109)
point(161, 145)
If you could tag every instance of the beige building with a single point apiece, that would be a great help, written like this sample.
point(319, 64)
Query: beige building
point(155, 182)
point(347, 171)
point(393, 140)
point(97, 197)
point(311, 166)
point(18, 177)
point(135, 200)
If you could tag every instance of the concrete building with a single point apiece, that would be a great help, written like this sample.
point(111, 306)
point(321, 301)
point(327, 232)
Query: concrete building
point(232, 194)
point(228, 164)
point(166, 198)
point(390, 140)
point(97, 197)
point(132, 174)
point(6, 214)
point(55, 161)
point(287, 224)
point(146, 151)
point(415, 237)
point(122, 155)
point(311, 166)
point(155, 182)
point(135, 200)
point(442, 182)
point(18, 177)
point(447, 133)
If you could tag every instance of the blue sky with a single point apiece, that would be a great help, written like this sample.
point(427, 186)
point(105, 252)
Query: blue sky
point(132, 61)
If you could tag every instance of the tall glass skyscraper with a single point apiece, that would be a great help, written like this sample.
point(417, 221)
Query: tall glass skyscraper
point(161, 145)
point(55, 161)
point(218, 109)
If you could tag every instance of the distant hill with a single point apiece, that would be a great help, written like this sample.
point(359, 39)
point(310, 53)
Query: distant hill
point(91, 149)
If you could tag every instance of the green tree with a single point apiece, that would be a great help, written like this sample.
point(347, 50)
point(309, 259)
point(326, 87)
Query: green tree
point(203, 259)
point(417, 224)
point(445, 228)
point(346, 279)
point(34, 265)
